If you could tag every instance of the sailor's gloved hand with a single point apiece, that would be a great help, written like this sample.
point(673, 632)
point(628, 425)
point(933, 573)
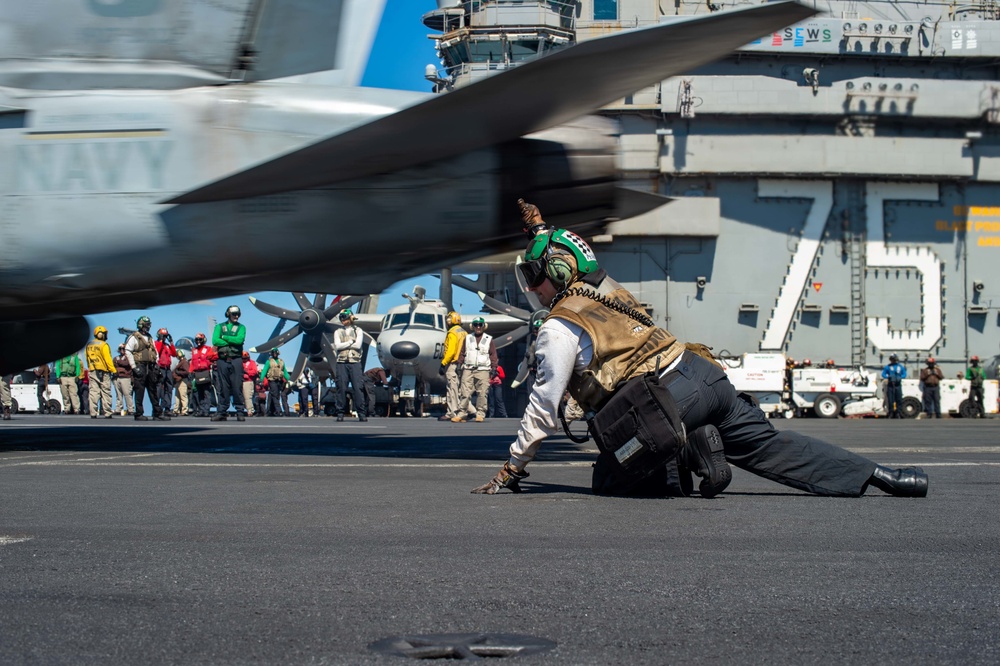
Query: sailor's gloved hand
point(507, 477)
point(138, 372)
point(442, 370)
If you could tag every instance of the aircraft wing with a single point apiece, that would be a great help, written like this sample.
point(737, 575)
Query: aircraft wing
point(248, 40)
point(512, 104)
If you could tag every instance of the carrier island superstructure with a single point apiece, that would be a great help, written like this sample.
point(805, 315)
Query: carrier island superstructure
point(836, 184)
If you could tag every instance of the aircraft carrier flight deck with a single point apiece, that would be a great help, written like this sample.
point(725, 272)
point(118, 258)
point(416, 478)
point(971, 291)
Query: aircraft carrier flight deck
point(315, 542)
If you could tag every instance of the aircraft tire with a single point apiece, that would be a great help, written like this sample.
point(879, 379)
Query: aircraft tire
point(13, 406)
point(54, 406)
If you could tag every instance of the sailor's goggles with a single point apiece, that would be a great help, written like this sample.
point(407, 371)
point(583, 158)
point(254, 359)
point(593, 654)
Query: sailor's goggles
point(533, 272)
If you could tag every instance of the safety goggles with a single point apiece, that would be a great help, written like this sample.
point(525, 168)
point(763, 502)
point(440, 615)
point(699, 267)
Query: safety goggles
point(533, 272)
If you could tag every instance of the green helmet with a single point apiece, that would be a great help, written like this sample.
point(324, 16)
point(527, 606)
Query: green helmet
point(143, 322)
point(542, 258)
point(345, 314)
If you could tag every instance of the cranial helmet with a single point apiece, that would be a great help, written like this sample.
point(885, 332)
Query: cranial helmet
point(807, 363)
point(275, 353)
point(246, 354)
point(143, 323)
point(200, 336)
point(162, 333)
point(99, 331)
point(974, 359)
point(454, 318)
point(233, 309)
point(559, 255)
point(121, 347)
point(345, 315)
point(893, 358)
point(479, 321)
point(930, 360)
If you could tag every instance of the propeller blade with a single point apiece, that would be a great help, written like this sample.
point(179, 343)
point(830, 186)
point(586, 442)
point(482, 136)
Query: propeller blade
point(278, 341)
point(319, 302)
point(522, 373)
point(278, 328)
point(342, 303)
point(301, 299)
point(500, 307)
point(328, 351)
point(300, 362)
point(511, 337)
point(465, 283)
point(529, 295)
point(274, 310)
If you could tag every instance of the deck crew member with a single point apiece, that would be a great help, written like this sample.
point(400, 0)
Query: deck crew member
point(596, 341)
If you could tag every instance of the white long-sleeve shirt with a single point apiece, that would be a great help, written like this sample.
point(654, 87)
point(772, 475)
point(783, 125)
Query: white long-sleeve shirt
point(561, 348)
point(347, 343)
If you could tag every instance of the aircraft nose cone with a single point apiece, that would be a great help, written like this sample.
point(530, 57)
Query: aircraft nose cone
point(309, 319)
point(404, 350)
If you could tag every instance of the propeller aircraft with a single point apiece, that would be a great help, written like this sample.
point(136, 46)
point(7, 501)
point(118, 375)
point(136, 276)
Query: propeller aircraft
point(409, 338)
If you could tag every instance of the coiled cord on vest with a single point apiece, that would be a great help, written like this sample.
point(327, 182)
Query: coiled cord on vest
point(605, 301)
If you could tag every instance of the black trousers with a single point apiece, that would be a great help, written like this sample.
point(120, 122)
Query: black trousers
point(349, 372)
point(369, 387)
point(274, 390)
point(150, 383)
point(704, 395)
point(231, 384)
point(202, 395)
point(165, 391)
point(894, 399)
point(976, 398)
point(932, 400)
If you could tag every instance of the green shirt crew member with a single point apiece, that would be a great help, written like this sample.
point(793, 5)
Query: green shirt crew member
point(976, 375)
point(228, 339)
point(68, 370)
point(276, 375)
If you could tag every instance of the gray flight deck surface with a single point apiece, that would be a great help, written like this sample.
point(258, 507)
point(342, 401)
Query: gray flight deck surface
point(304, 541)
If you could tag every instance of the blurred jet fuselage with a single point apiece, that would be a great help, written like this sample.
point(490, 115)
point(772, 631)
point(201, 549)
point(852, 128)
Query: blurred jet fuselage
point(141, 171)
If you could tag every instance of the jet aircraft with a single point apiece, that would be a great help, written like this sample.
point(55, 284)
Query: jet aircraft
point(160, 152)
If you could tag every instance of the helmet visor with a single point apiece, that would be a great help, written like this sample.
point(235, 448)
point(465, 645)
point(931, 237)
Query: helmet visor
point(533, 272)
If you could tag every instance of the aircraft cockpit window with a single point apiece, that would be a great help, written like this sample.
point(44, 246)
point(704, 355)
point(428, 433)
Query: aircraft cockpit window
point(423, 319)
point(440, 322)
point(399, 320)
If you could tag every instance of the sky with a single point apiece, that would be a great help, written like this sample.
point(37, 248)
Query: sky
point(399, 56)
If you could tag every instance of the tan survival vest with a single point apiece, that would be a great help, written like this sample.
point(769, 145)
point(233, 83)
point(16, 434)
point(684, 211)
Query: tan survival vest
point(349, 355)
point(144, 351)
point(276, 370)
point(623, 347)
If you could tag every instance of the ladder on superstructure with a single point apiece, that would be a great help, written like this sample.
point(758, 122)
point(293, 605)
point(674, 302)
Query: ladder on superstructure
point(856, 248)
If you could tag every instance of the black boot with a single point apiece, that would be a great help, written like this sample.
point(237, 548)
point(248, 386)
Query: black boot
point(904, 482)
point(6, 413)
point(704, 455)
